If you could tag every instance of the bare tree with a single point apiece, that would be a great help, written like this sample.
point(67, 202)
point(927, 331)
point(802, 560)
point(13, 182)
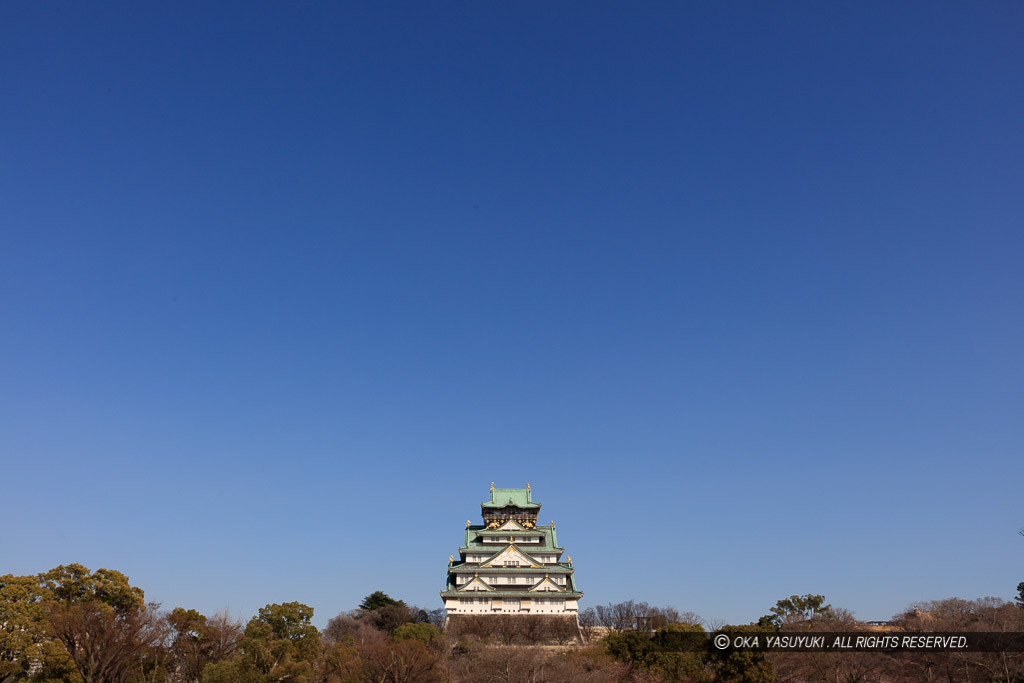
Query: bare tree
point(155, 655)
point(588, 623)
point(105, 644)
point(691, 618)
point(475, 625)
point(623, 615)
point(671, 614)
point(349, 627)
point(533, 629)
point(437, 617)
point(404, 661)
point(224, 635)
point(508, 628)
point(563, 630)
point(197, 640)
point(715, 624)
point(604, 615)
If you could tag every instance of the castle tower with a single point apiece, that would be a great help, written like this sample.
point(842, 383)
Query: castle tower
point(509, 564)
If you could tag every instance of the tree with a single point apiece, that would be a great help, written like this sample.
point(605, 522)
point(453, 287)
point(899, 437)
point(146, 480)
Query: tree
point(74, 584)
point(403, 661)
point(619, 616)
point(563, 630)
point(386, 613)
point(389, 617)
point(24, 627)
point(198, 641)
point(188, 627)
point(105, 644)
point(986, 615)
point(691, 618)
point(588, 623)
point(340, 663)
point(741, 666)
point(1020, 595)
point(506, 627)
point(437, 617)
point(102, 621)
point(797, 608)
point(679, 652)
point(623, 615)
point(352, 628)
point(633, 647)
point(279, 644)
point(378, 599)
point(424, 633)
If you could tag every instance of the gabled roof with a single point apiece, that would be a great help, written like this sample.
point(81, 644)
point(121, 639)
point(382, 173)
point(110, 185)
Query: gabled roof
point(548, 541)
point(511, 552)
point(546, 585)
point(518, 594)
point(560, 569)
point(509, 532)
point(475, 585)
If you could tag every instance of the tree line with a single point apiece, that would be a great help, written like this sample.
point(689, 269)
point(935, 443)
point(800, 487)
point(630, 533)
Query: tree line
point(74, 625)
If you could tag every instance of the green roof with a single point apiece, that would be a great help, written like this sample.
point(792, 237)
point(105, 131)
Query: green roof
point(512, 594)
point(546, 534)
point(519, 498)
point(474, 568)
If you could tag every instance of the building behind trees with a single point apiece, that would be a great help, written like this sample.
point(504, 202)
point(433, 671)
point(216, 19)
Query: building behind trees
point(511, 566)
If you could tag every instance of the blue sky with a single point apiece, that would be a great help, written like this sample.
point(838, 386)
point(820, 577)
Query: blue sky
point(736, 286)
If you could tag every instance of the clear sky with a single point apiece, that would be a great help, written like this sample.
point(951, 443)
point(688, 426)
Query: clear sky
point(737, 287)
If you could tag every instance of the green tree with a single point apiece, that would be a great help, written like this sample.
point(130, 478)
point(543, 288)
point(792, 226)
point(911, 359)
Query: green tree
point(679, 652)
point(741, 666)
point(24, 629)
point(102, 622)
point(74, 584)
point(279, 644)
point(633, 647)
point(386, 613)
point(797, 608)
point(1020, 595)
point(424, 633)
point(379, 599)
point(198, 641)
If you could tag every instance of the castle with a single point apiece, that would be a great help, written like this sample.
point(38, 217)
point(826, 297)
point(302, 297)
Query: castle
point(509, 564)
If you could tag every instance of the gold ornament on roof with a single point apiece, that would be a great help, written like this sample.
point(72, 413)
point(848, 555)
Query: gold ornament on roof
point(450, 558)
point(552, 524)
point(492, 485)
point(467, 523)
point(527, 486)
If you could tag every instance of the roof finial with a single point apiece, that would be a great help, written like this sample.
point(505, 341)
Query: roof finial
point(492, 485)
point(552, 524)
point(527, 486)
point(467, 523)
